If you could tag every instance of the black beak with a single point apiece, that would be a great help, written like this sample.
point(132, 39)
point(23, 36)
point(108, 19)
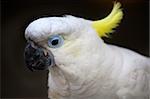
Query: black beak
point(36, 59)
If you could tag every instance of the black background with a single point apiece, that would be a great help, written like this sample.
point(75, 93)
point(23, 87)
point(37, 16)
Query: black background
point(16, 80)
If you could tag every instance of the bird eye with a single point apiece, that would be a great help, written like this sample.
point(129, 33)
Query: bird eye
point(55, 41)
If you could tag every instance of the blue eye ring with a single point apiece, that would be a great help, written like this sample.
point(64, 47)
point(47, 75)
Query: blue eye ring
point(55, 41)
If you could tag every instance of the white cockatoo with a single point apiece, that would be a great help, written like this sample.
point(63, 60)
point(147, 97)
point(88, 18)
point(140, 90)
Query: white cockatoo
point(80, 64)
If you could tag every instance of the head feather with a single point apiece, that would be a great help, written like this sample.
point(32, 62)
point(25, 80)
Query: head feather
point(105, 26)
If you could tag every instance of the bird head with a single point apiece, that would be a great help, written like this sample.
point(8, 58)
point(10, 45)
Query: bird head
point(67, 41)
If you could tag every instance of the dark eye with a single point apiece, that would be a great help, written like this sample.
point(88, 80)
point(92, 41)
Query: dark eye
point(55, 41)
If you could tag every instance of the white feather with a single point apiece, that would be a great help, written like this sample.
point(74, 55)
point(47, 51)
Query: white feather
point(87, 68)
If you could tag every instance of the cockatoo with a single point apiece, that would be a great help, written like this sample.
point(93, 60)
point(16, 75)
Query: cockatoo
point(81, 65)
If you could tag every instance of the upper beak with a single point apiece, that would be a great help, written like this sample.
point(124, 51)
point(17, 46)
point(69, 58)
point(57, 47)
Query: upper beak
point(37, 59)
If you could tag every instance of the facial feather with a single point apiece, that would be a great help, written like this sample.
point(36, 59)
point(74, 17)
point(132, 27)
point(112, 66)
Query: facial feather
point(42, 28)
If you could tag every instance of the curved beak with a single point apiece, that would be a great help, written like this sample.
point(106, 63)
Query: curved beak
point(37, 59)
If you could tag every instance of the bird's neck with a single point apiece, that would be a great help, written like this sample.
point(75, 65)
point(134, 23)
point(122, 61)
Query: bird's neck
point(68, 80)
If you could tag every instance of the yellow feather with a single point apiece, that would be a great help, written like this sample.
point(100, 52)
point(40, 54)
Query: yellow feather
point(105, 26)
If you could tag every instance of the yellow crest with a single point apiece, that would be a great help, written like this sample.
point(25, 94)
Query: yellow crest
point(105, 26)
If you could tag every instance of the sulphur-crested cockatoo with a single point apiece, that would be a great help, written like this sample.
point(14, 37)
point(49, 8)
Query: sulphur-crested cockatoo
point(80, 64)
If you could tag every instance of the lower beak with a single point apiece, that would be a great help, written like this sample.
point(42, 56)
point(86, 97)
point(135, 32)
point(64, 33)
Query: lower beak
point(36, 59)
